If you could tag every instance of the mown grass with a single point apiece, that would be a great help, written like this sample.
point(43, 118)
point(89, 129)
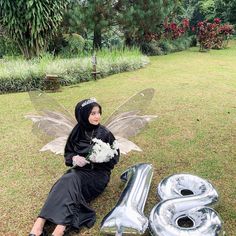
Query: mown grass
point(196, 133)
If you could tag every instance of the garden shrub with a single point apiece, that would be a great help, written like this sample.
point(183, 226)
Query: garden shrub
point(174, 31)
point(213, 35)
point(165, 46)
point(225, 31)
point(22, 75)
point(152, 48)
point(173, 38)
point(8, 47)
point(20, 84)
point(75, 44)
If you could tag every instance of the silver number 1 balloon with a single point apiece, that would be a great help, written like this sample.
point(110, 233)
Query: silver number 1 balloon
point(127, 216)
point(183, 208)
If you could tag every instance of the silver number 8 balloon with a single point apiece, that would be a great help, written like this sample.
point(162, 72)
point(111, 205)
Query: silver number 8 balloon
point(183, 210)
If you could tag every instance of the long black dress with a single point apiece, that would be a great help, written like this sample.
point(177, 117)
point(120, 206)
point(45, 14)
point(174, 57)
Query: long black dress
point(67, 201)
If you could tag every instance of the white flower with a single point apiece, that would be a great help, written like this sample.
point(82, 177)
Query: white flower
point(115, 145)
point(102, 152)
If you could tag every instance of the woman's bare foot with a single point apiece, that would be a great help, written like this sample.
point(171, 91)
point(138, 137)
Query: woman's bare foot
point(59, 230)
point(38, 226)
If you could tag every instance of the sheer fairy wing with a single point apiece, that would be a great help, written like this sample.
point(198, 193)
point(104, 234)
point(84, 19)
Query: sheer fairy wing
point(52, 122)
point(56, 146)
point(126, 145)
point(136, 104)
point(129, 119)
point(129, 125)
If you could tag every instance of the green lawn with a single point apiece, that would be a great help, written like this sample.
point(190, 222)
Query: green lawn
point(196, 133)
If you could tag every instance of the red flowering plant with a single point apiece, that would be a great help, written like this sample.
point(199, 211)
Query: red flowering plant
point(226, 31)
point(174, 31)
point(217, 21)
point(212, 35)
point(171, 30)
point(206, 32)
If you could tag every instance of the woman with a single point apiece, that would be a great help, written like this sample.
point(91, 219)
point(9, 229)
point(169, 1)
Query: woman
point(66, 205)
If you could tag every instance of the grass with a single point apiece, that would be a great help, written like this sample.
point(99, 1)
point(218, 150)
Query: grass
point(196, 133)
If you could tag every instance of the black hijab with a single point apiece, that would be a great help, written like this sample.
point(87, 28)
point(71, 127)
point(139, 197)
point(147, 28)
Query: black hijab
point(79, 140)
point(82, 112)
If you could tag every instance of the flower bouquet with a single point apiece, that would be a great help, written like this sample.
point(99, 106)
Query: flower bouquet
point(101, 151)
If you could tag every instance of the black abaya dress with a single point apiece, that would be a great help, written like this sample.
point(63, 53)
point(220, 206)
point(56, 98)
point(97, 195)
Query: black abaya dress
point(67, 202)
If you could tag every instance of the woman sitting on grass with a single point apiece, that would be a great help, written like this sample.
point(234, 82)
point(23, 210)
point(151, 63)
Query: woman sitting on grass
point(91, 150)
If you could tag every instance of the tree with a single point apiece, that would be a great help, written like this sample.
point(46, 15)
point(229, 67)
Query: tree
point(91, 17)
point(226, 10)
point(208, 9)
point(186, 9)
point(141, 17)
point(31, 23)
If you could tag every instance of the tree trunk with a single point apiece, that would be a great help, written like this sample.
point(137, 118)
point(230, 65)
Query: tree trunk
point(24, 50)
point(97, 38)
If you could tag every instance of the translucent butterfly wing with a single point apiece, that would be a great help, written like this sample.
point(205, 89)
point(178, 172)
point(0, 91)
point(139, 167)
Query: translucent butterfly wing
point(128, 120)
point(135, 104)
point(129, 125)
point(53, 121)
point(47, 106)
point(56, 146)
point(126, 145)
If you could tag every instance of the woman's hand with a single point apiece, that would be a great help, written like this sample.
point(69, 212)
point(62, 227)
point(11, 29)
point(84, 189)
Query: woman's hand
point(79, 161)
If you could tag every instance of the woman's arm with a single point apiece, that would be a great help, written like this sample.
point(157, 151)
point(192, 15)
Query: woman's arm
point(69, 149)
point(68, 155)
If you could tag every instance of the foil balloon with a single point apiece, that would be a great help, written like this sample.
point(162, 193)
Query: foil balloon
point(183, 210)
point(127, 216)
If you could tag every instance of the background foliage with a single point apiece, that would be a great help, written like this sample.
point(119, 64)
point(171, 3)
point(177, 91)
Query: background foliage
point(70, 27)
point(31, 23)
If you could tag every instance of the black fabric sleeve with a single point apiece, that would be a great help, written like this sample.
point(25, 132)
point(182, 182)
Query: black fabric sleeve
point(69, 148)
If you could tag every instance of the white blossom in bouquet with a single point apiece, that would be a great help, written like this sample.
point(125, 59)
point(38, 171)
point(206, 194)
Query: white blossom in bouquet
point(102, 152)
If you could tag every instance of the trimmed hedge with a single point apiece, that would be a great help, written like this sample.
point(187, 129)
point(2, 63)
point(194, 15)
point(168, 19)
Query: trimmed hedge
point(21, 75)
